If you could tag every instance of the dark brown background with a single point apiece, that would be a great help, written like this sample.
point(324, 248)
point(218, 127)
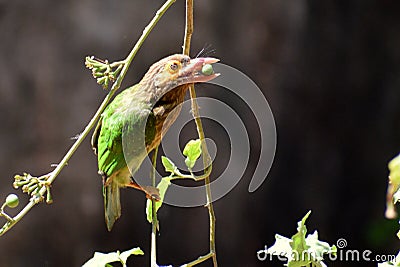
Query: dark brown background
point(329, 69)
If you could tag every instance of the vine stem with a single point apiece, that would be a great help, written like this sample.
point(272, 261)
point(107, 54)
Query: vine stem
point(127, 61)
point(199, 260)
point(188, 27)
point(154, 221)
point(207, 163)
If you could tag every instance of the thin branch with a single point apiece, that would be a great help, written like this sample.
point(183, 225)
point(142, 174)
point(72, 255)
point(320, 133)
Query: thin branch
point(10, 223)
point(188, 27)
point(154, 221)
point(206, 162)
point(195, 112)
point(199, 260)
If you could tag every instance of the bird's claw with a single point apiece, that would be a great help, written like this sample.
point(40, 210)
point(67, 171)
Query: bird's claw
point(152, 192)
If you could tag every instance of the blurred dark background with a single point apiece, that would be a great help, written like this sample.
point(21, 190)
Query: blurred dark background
point(329, 69)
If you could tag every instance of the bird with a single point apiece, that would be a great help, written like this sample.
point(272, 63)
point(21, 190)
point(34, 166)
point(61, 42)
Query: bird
point(133, 124)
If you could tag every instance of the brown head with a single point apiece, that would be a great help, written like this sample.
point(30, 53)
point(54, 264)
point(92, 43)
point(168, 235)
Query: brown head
point(174, 71)
point(165, 85)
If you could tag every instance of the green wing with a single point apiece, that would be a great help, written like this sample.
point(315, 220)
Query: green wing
point(121, 126)
point(125, 117)
point(107, 137)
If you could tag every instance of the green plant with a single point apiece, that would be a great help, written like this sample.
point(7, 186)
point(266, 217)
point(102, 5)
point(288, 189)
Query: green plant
point(301, 250)
point(393, 196)
point(104, 259)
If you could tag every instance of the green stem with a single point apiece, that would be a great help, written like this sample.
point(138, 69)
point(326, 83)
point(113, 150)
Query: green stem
point(206, 162)
point(197, 178)
point(199, 260)
point(154, 221)
point(188, 27)
point(206, 157)
point(5, 215)
point(9, 224)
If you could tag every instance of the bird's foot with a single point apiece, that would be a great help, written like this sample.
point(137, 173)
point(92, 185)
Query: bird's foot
point(150, 191)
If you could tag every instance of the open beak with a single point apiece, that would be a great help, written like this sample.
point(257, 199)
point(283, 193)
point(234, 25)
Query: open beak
point(193, 72)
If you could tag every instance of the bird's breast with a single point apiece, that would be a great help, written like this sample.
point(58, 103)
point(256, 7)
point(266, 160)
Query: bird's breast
point(165, 112)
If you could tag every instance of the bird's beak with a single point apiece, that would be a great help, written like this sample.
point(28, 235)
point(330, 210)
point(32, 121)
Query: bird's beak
point(193, 72)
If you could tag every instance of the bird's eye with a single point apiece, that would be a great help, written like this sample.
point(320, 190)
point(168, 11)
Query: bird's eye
point(173, 66)
point(185, 60)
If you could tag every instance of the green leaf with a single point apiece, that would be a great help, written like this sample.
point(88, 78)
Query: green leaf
point(168, 165)
point(394, 168)
point(393, 191)
point(124, 255)
point(318, 248)
point(103, 259)
point(299, 245)
point(162, 187)
point(192, 151)
point(394, 177)
point(302, 250)
point(281, 246)
point(299, 239)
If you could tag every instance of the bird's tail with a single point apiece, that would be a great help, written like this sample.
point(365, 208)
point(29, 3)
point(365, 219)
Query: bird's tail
point(112, 204)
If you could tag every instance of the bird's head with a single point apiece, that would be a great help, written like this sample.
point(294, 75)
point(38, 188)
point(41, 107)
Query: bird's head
point(177, 70)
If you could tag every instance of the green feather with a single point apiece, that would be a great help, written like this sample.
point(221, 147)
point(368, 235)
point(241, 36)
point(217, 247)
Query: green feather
point(112, 204)
point(125, 118)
